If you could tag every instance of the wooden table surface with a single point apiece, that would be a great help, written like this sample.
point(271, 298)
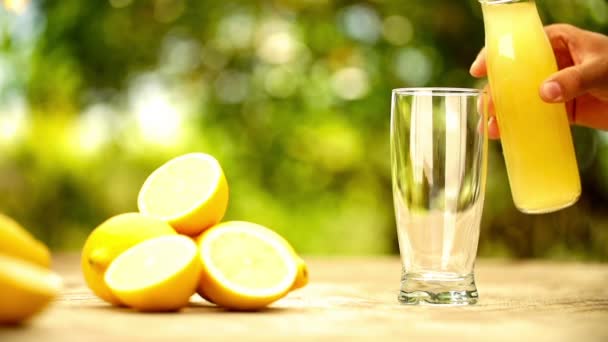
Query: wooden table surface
point(352, 299)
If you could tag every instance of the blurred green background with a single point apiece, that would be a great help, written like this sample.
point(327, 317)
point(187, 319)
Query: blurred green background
point(291, 96)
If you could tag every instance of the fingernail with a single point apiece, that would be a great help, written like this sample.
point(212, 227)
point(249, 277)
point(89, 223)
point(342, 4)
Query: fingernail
point(493, 132)
point(474, 65)
point(492, 122)
point(552, 91)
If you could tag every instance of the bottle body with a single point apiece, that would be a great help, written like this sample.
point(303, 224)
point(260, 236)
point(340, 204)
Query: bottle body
point(536, 138)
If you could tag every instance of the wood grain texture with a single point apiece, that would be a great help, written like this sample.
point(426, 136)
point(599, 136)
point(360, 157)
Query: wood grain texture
point(352, 299)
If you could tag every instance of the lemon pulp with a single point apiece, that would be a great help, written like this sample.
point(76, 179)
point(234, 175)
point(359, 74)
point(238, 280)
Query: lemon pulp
point(160, 274)
point(190, 192)
point(150, 262)
point(244, 268)
point(172, 190)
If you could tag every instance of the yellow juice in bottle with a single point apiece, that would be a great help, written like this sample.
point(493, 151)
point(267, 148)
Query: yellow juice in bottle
point(536, 138)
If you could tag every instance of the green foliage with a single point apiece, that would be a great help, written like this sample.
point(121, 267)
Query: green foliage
point(291, 96)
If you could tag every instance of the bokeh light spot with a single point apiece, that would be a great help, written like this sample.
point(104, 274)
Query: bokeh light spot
point(166, 11)
point(413, 67)
point(120, 3)
point(180, 55)
point(397, 30)
point(361, 23)
point(16, 6)
point(13, 119)
point(232, 86)
point(277, 48)
point(235, 31)
point(94, 128)
point(212, 58)
point(157, 120)
point(281, 82)
point(350, 83)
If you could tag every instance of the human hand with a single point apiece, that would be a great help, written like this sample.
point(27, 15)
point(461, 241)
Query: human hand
point(582, 79)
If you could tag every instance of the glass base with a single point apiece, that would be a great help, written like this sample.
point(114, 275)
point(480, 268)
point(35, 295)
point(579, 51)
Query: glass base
point(438, 289)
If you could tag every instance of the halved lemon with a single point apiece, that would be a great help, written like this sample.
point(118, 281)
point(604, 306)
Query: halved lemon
point(300, 281)
point(160, 274)
point(110, 239)
point(25, 289)
point(190, 192)
point(245, 266)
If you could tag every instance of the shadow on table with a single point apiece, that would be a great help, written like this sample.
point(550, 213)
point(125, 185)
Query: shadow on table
point(14, 326)
point(198, 307)
point(194, 307)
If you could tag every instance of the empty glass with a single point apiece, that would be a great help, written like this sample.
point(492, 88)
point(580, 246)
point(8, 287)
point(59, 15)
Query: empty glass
point(438, 157)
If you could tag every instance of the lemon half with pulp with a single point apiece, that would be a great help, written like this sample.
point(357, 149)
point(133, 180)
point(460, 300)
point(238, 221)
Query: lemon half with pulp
point(245, 266)
point(190, 192)
point(160, 274)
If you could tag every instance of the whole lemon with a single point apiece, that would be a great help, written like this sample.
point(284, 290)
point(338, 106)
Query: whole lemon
point(109, 240)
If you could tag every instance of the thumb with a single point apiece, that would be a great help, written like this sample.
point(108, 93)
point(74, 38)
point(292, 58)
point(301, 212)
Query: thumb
point(570, 82)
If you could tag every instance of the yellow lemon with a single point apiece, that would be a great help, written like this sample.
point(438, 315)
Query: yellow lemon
point(301, 280)
point(190, 192)
point(245, 266)
point(302, 276)
point(25, 289)
point(159, 274)
point(111, 238)
point(201, 292)
point(18, 242)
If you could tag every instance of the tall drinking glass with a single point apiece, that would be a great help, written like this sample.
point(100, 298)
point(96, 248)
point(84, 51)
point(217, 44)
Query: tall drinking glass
point(438, 158)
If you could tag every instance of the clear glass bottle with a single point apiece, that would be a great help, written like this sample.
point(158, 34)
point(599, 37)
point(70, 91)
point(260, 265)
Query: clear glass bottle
point(536, 138)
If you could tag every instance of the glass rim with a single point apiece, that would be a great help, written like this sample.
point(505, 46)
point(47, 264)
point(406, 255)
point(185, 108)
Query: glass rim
point(438, 91)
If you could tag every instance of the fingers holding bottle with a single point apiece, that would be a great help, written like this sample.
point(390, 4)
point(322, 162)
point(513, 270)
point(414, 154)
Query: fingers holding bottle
point(581, 82)
point(486, 105)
